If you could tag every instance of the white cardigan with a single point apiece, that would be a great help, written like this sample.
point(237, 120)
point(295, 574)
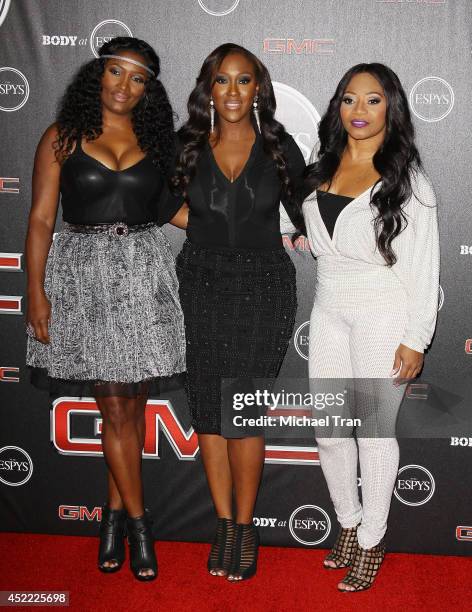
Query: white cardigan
point(416, 248)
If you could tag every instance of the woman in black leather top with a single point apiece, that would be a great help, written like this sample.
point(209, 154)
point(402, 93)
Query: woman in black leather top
point(103, 308)
point(237, 283)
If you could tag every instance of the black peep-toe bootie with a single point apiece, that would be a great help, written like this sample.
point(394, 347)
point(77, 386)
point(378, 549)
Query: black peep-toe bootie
point(141, 547)
point(112, 545)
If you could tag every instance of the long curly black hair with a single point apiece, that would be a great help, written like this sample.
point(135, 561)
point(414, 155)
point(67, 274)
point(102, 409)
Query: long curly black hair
point(80, 110)
point(195, 132)
point(395, 160)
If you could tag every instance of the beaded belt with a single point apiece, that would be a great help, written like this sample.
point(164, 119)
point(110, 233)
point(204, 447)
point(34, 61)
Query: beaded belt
point(113, 229)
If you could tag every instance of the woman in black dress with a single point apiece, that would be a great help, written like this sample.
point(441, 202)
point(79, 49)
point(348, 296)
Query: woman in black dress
point(103, 310)
point(237, 283)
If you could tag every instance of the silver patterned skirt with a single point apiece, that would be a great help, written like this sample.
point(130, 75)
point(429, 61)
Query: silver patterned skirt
point(115, 310)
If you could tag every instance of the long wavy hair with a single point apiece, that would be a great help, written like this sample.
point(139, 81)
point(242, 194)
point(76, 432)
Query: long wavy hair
point(195, 132)
point(80, 110)
point(395, 160)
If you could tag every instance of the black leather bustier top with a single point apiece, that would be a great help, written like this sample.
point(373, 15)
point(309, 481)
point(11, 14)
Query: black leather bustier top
point(92, 194)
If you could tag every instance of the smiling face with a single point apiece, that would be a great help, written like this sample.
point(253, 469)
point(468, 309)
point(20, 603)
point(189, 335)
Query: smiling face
point(364, 107)
point(123, 83)
point(234, 88)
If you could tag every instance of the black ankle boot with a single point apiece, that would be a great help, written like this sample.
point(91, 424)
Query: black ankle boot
point(141, 547)
point(112, 534)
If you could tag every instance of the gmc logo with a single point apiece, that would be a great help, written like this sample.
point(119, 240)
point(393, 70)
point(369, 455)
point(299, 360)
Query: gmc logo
point(10, 262)
point(464, 534)
point(160, 417)
point(417, 391)
point(10, 304)
point(4, 188)
point(6, 375)
point(79, 513)
point(468, 346)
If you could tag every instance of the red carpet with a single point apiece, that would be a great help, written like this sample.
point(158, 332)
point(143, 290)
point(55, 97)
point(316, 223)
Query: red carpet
point(288, 579)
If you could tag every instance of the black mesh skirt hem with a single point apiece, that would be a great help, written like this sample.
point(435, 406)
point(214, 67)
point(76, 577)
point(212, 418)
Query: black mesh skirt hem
point(60, 387)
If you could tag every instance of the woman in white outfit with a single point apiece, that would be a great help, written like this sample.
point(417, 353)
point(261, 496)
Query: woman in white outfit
point(371, 220)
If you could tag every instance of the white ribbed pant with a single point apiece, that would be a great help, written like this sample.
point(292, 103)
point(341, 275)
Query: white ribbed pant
point(358, 339)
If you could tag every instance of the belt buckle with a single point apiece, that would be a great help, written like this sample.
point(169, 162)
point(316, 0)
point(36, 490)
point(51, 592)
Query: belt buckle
point(118, 229)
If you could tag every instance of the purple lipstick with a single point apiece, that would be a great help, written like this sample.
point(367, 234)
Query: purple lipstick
point(358, 123)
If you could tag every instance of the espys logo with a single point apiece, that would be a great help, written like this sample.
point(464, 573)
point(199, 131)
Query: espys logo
point(440, 298)
point(16, 466)
point(14, 89)
point(415, 485)
point(105, 31)
point(218, 8)
point(298, 115)
point(301, 340)
point(431, 99)
point(4, 6)
point(309, 525)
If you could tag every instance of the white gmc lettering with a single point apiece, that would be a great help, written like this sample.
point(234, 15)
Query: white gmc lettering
point(308, 46)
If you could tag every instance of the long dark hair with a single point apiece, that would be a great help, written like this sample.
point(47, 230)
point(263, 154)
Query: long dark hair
point(80, 110)
point(394, 161)
point(195, 132)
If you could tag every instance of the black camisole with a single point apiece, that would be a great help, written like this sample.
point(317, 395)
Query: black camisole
point(330, 206)
point(92, 194)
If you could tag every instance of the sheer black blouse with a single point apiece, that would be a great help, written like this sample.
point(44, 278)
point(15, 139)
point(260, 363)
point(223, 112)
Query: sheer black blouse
point(239, 214)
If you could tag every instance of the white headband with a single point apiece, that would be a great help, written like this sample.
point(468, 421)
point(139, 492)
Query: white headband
point(131, 61)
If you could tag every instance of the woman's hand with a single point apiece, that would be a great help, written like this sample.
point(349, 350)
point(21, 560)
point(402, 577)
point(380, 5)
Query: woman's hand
point(407, 362)
point(38, 314)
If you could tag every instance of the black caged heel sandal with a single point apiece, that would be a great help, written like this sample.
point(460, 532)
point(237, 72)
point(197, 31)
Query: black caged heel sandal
point(343, 550)
point(219, 559)
point(245, 552)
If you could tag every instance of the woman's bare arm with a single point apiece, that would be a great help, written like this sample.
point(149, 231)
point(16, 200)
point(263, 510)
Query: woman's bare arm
point(181, 218)
point(42, 218)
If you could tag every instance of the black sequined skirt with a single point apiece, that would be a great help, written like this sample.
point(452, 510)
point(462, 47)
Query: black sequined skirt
point(239, 309)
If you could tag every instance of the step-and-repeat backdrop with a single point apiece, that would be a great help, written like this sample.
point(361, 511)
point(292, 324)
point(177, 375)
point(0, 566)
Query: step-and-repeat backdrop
point(52, 475)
